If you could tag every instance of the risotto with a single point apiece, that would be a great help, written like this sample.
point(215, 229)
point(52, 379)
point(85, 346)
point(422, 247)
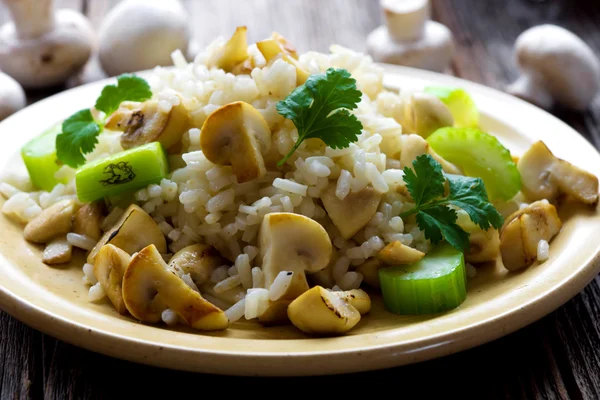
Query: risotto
point(218, 197)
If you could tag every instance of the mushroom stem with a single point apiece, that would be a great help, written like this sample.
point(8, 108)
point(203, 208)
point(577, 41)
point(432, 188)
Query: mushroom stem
point(528, 89)
point(32, 18)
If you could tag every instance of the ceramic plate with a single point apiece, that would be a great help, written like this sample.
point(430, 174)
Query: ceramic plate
point(54, 300)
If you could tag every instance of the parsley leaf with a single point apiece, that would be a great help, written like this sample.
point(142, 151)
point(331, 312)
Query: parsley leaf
point(129, 88)
point(319, 109)
point(79, 136)
point(433, 214)
point(80, 131)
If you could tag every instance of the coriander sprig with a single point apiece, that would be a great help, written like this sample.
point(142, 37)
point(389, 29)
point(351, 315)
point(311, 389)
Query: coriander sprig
point(319, 109)
point(438, 221)
point(80, 131)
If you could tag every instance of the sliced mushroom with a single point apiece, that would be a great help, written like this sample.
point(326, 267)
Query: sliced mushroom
point(324, 277)
point(58, 251)
point(88, 220)
point(147, 122)
point(132, 232)
point(54, 221)
point(424, 113)
point(278, 48)
point(522, 231)
point(357, 298)
point(291, 242)
point(397, 253)
point(484, 246)
point(237, 135)
point(198, 260)
point(109, 269)
point(544, 176)
point(149, 288)
point(354, 212)
point(414, 145)
point(370, 271)
point(232, 53)
point(320, 311)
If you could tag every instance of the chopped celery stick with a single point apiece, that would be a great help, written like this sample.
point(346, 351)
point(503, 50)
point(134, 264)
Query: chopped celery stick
point(461, 105)
point(481, 155)
point(126, 171)
point(436, 283)
point(39, 156)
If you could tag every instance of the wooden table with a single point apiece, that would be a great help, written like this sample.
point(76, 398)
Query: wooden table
point(556, 357)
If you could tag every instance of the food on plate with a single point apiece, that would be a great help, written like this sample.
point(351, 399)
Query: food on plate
point(257, 183)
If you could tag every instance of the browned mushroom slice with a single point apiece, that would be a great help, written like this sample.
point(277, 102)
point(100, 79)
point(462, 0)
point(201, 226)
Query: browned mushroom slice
point(109, 269)
point(198, 260)
point(397, 253)
point(232, 53)
point(88, 220)
point(54, 221)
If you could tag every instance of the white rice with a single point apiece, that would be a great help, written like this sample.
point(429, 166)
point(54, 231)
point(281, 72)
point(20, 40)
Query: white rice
point(280, 284)
point(169, 317)
point(81, 241)
point(96, 293)
point(543, 250)
point(236, 311)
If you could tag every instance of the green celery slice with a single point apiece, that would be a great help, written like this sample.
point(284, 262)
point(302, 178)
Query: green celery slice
point(436, 283)
point(461, 105)
point(39, 156)
point(479, 154)
point(122, 172)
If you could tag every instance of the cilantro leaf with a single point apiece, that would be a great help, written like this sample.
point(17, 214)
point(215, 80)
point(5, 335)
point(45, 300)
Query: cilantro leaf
point(129, 88)
point(470, 195)
point(440, 222)
point(79, 136)
point(426, 182)
point(319, 109)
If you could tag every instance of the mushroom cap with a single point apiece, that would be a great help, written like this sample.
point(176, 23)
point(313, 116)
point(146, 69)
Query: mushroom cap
point(132, 232)
point(88, 220)
point(109, 269)
point(198, 260)
point(397, 253)
point(149, 288)
point(357, 298)
point(12, 96)
point(237, 135)
point(322, 312)
point(231, 53)
point(425, 113)
point(54, 221)
point(560, 62)
point(52, 58)
point(137, 35)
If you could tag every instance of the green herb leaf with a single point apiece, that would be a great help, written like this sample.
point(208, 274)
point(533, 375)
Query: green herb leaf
point(440, 222)
point(470, 195)
point(129, 88)
point(319, 109)
point(79, 136)
point(426, 182)
point(433, 214)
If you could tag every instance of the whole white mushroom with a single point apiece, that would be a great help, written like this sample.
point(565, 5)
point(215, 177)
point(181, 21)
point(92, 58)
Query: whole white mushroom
point(557, 67)
point(41, 46)
point(12, 96)
point(141, 34)
point(410, 38)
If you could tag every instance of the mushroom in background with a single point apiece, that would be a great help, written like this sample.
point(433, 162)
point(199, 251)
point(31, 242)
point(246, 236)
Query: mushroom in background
point(12, 96)
point(42, 47)
point(141, 34)
point(410, 38)
point(557, 67)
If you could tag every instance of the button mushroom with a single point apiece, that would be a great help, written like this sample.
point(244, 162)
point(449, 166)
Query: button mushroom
point(132, 232)
point(545, 176)
point(12, 96)
point(410, 38)
point(109, 269)
point(147, 122)
point(322, 312)
point(198, 260)
point(42, 47)
point(295, 243)
point(54, 221)
point(357, 298)
point(231, 53)
point(557, 66)
point(58, 251)
point(484, 246)
point(278, 47)
point(88, 220)
point(352, 213)
point(237, 135)
point(370, 271)
point(523, 230)
point(149, 288)
point(396, 253)
point(423, 114)
point(414, 145)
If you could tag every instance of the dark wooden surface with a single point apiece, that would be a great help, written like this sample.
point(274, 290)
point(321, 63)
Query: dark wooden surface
point(557, 357)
